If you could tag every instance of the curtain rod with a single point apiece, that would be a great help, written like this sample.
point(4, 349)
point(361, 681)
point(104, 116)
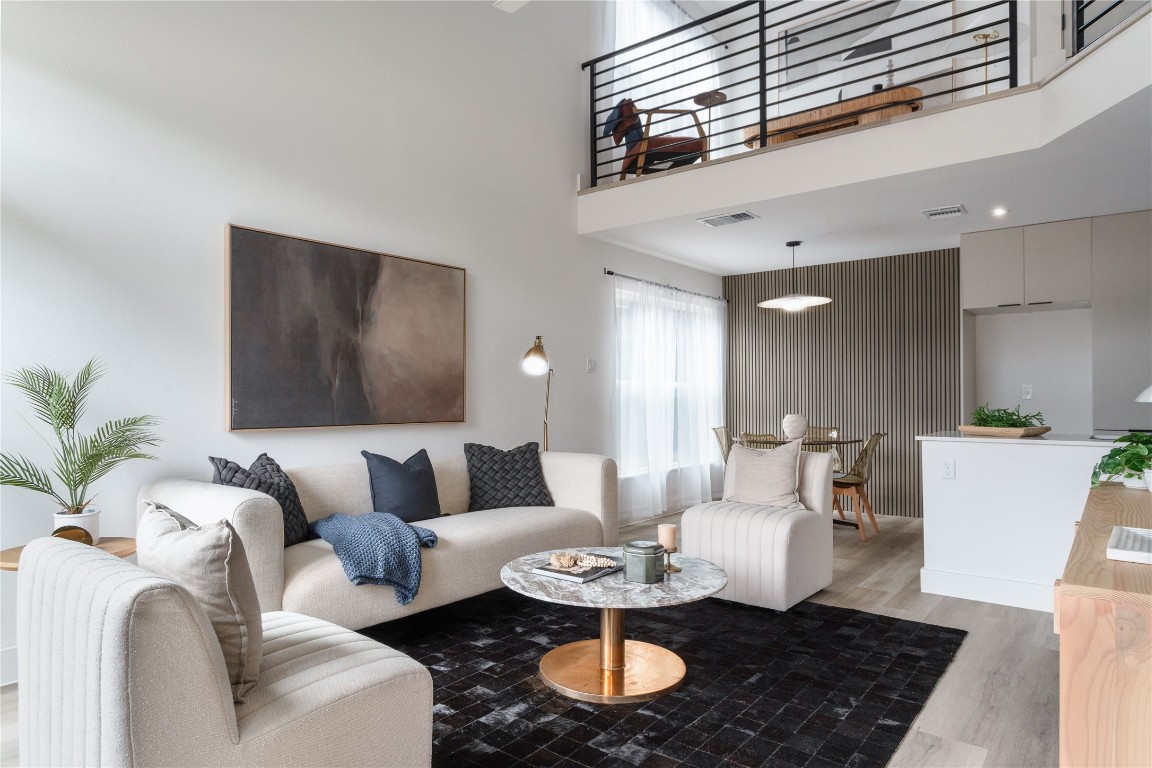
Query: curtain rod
point(664, 285)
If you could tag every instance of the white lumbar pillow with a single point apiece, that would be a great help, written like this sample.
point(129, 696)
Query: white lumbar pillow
point(768, 478)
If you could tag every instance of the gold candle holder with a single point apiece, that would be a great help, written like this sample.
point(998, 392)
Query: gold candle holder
point(668, 567)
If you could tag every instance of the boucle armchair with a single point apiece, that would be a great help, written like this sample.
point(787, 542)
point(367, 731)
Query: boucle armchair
point(119, 666)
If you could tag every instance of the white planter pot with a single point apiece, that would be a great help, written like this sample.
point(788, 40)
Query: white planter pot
point(794, 426)
point(1148, 478)
point(89, 520)
point(1135, 482)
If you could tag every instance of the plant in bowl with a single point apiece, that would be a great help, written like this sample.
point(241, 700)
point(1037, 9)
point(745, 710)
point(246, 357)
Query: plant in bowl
point(1001, 422)
point(983, 416)
point(80, 460)
point(1128, 460)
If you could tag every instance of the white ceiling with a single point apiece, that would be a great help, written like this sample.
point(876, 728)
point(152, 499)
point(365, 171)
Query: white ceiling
point(1103, 166)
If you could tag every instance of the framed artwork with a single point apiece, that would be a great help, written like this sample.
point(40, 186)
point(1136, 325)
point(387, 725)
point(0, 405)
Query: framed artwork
point(324, 335)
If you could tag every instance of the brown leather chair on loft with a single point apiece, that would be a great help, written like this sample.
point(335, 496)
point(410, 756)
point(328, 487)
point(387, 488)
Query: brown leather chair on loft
point(724, 437)
point(826, 433)
point(650, 152)
point(758, 440)
point(851, 485)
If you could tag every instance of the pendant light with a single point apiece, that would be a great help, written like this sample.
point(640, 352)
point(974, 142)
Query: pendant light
point(794, 302)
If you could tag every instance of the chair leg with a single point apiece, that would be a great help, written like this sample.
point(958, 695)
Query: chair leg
point(836, 505)
point(868, 509)
point(859, 520)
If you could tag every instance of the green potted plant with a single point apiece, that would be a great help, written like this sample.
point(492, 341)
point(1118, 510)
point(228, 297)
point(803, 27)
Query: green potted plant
point(80, 460)
point(1001, 422)
point(1130, 460)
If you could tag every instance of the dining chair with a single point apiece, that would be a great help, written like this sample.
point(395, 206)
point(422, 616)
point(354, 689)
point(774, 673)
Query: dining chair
point(724, 437)
point(826, 433)
point(758, 440)
point(851, 485)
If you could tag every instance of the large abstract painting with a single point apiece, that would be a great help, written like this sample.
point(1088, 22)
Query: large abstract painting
point(322, 335)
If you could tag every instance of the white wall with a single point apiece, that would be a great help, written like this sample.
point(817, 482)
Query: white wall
point(1052, 351)
point(134, 133)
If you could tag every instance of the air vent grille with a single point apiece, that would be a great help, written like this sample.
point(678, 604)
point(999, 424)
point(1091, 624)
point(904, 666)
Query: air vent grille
point(945, 212)
point(727, 218)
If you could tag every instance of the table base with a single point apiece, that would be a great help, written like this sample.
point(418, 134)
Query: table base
point(649, 672)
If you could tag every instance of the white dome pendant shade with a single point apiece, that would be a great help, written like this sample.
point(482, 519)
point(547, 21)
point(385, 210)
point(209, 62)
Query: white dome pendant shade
point(794, 302)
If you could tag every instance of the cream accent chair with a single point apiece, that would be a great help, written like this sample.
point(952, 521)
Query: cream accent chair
point(119, 666)
point(774, 557)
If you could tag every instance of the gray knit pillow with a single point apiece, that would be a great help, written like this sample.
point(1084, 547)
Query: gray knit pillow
point(510, 478)
point(266, 476)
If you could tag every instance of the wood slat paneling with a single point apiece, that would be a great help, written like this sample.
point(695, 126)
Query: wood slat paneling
point(884, 356)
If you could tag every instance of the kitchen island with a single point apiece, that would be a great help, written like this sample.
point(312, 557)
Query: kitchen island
point(1000, 513)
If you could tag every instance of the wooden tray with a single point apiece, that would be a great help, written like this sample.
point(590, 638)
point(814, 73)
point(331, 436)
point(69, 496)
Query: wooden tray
point(968, 429)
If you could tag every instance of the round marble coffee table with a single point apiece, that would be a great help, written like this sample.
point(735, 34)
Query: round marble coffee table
point(610, 669)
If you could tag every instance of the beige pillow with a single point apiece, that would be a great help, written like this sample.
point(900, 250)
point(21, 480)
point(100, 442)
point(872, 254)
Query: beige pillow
point(768, 478)
point(209, 562)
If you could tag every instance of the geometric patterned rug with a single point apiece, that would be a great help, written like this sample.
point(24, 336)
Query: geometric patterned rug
point(817, 686)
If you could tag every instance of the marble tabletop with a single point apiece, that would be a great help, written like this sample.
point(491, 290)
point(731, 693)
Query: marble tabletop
point(697, 580)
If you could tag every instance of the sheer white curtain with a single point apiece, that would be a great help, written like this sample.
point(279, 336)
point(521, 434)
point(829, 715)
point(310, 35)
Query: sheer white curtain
point(670, 394)
point(638, 20)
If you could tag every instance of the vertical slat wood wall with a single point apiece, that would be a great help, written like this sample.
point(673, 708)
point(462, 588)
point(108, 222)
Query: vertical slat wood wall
point(884, 356)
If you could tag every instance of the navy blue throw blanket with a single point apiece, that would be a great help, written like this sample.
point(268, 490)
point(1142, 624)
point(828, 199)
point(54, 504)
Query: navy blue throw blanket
point(378, 548)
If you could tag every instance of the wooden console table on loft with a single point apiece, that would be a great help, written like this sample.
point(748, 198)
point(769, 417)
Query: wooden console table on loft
point(1103, 614)
point(872, 108)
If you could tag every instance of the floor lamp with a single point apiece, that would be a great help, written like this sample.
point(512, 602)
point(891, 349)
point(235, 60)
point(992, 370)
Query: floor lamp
point(535, 363)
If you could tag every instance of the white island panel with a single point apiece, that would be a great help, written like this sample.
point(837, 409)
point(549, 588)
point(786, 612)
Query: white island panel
point(1000, 530)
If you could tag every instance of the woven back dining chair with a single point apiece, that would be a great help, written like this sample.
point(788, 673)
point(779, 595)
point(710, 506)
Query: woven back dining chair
point(758, 440)
point(851, 485)
point(724, 437)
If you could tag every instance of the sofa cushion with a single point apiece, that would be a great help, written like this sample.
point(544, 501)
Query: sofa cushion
point(511, 478)
point(768, 478)
point(266, 476)
point(210, 563)
point(406, 490)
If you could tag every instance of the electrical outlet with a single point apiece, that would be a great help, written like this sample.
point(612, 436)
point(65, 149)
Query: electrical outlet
point(589, 365)
point(949, 469)
point(1026, 391)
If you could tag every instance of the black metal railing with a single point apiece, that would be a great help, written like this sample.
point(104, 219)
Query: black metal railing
point(1092, 18)
point(759, 74)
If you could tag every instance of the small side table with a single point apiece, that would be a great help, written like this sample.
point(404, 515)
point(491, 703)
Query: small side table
point(121, 546)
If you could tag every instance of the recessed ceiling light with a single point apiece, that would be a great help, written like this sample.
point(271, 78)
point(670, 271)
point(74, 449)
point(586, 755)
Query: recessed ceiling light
point(999, 211)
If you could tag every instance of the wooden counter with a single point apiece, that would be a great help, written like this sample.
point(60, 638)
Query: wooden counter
point(1104, 617)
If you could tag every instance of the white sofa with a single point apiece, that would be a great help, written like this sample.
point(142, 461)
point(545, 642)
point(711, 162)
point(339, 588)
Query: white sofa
point(308, 578)
point(121, 667)
point(774, 557)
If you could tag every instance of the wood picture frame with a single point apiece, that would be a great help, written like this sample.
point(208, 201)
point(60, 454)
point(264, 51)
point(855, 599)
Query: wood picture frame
point(324, 335)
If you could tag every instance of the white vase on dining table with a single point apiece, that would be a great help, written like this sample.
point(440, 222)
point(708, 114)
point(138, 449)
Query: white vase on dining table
point(794, 426)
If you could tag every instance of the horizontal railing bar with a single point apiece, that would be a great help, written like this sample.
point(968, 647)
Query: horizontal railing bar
point(1098, 16)
point(678, 44)
point(755, 17)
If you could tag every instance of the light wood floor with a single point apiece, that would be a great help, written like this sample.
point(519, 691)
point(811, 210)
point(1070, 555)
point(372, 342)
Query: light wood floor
point(996, 706)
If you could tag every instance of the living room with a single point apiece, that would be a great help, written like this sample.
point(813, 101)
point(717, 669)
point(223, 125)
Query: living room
point(448, 132)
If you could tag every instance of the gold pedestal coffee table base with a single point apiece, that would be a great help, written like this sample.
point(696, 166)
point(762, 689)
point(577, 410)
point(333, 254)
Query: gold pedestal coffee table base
point(612, 670)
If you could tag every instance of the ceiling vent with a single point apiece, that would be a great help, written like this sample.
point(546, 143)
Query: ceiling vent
point(946, 212)
point(727, 218)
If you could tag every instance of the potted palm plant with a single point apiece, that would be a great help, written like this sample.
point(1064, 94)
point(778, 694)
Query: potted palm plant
point(80, 460)
point(1130, 461)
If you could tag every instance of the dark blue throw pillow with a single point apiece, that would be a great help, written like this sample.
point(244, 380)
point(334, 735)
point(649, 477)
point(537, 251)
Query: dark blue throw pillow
point(406, 490)
point(512, 478)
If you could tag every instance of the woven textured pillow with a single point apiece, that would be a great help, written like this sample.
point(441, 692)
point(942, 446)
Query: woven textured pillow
point(209, 561)
point(406, 490)
point(266, 476)
point(511, 478)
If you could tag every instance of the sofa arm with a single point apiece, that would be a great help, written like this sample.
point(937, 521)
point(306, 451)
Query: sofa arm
point(256, 517)
point(585, 481)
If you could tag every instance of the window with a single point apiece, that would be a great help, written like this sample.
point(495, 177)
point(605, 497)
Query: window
point(669, 396)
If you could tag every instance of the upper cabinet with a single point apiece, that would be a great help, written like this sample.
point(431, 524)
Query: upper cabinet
point(1036, 266)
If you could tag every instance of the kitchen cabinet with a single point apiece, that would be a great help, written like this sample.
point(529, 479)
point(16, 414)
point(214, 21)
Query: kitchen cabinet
point(1035, 266)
